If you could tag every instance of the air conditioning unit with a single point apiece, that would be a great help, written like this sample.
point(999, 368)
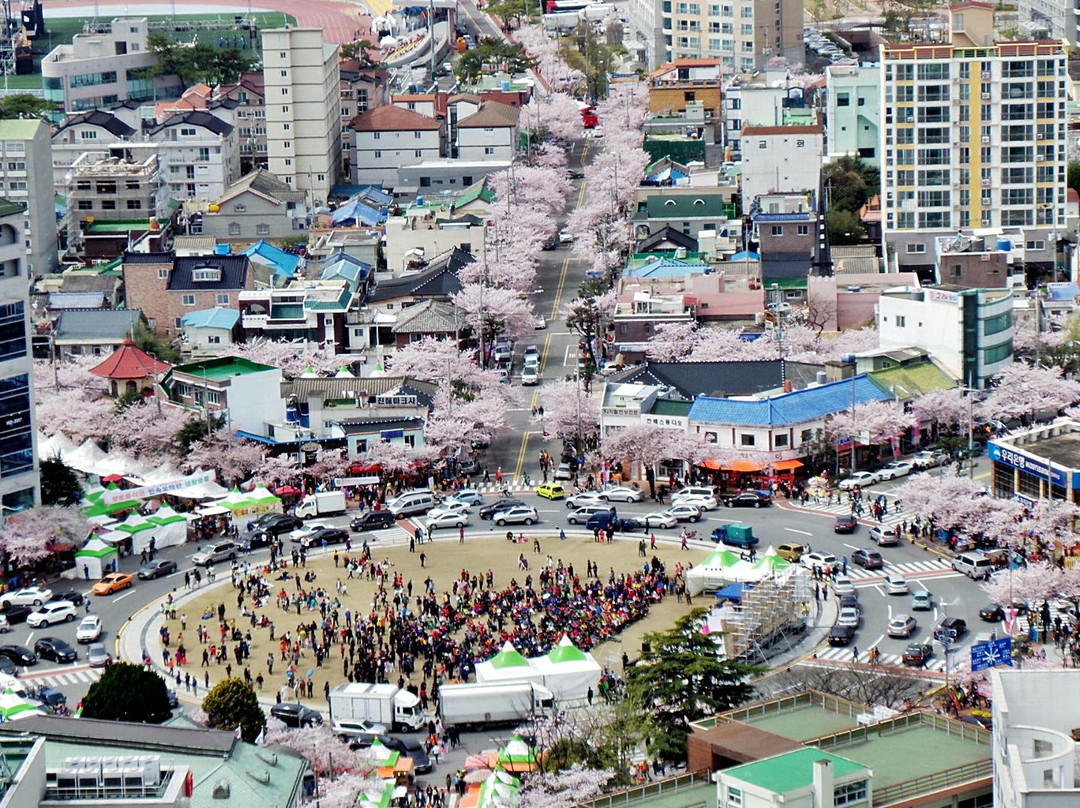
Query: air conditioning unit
point(986, 183)
point(910, 119)
point(986, 96)
point(986, 141)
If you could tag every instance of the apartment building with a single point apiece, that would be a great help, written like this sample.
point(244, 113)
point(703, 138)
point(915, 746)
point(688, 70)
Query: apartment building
point(675, 85)
point(973, 135)
point(742, 34)
point(78, 134)
point(853, 112)
point(249, 94)
point(302, 92)
point(19, 481)
point(200, 154)
point(780, 159)
point(26, 179)
point(768, 97)
point(1061, 18)
point(97, 68)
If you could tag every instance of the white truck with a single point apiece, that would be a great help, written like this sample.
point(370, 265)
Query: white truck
point(385, 704)
point(475, 704)
point(322, 504)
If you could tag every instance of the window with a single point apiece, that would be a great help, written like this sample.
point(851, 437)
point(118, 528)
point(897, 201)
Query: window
point(163, 273)
point(287, 144)
point(223, 300)
point(780, 441)
point(284, 73)
point(134, 204)
point(88, 135)
point(916, 249)
point(12, 333)
point(262, 229)
point(849, 793)
point(1036, 245)
point(284, 90)
point(806, 436)
point(188, 300)
point(843, 99)
point(734, 796)
point(378, 155)
point(777, 230)
point(803, 230)
point(995, 325)
point(86, 204)
point(234, 229)
point(16, 434)
point(489, 150)
point(746, 439)
point(901, 321)
point(214, 340)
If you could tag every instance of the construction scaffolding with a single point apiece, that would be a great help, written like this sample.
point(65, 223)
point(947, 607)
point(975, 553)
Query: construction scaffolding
point(770, 618)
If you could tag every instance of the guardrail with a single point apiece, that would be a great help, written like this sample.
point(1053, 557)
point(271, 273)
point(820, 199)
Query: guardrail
point(657, 788)
point(921, 786)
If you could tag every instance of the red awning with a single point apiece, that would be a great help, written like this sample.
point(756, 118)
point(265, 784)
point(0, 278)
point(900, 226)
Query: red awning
point(113, 478)
point(287, 491)
point(744, 466)
point(787, 465)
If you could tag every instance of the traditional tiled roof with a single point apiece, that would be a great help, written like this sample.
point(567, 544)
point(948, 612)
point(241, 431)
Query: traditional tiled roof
point(429, 317)
point(130, 362)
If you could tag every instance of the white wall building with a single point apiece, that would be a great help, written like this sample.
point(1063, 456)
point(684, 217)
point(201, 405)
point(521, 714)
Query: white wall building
point(780, 159)
point(26, 179)
point(19, 479)
point(483, 130)
point(386, 139)
point(853, 98)
point(936, 319)
point(78, 134)
point(756, 99)
point(302, 86)
point(200, 154)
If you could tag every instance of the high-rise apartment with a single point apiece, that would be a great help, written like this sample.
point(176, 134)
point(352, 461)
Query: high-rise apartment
point(26, 179)
point(302, 92)
point(19, 480)
point(742, 34)
point(973, 135)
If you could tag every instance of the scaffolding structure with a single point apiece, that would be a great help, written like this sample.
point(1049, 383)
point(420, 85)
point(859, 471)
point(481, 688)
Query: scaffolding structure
point(770, 619)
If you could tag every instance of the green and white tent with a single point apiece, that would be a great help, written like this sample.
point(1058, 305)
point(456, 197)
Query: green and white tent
point(507, 666)
point(96, 555)
point(568, 671)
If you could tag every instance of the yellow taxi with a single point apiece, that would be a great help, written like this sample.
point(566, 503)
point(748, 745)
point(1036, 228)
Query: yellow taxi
point(550, 491)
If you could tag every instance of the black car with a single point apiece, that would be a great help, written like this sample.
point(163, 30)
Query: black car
point(841, 635)
point(627, 524)
point(845, 523)
point(948, 630)
point(156, 569)
point(410, 748)
point(329, 535)
point(917, 653)
point(487, 511)
point(868, 559)
point(851, 600)
point(274, 524)
point(73, 597)
point(992, 613)
point(372, 520)
point(19, 654)
point(8, 667)
point(54, 649)
point(748, 499)
point(296, 715)
point(15, 614)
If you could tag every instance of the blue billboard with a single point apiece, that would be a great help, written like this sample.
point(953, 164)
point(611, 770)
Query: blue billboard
point(1036, 466)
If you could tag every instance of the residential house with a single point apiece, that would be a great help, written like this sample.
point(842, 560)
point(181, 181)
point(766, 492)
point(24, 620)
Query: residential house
point(767, 97)
point(166, 286)
point(249, 93)
point(105, 66)
point(411, 238)
point(906, 373)
point(685, 381)
point(256, 206)
point(779, 159)
point(313, 311)
point(978, 261)
point(272, 265)
point(389, 137)
point(431, 318)
point(803, 778)
point(130, 369)
point(665, 241)
point(784, 223)
point(20, 486)
point(107, 284)
point(93, 332)
point(689, 213)
point(247, 395)
point(674, 85)
point(210, 331)
point(839, 302)
point(200, 154)
point(853, 110)
point(967, 331)
point(78, 134)
point(481, 129)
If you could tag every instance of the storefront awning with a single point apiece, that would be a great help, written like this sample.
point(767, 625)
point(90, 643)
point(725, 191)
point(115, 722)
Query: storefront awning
point(744, 466)
point(787, 465)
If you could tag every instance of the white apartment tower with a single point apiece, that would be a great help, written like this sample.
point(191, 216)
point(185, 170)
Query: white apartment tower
point(973, 136)
point(742, 34)
point(303, 109)
point(26, 179)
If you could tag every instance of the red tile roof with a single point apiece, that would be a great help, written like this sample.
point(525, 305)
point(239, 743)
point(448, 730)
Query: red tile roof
point(129, 362)
point(808, 129)
point(390, 118)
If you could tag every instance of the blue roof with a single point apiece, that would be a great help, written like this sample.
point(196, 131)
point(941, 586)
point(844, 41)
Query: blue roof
point(344, 266)
point(358, 209)
point(284, 263)
point(667, 268)
point(211, 318)
point(791, 408)
point(371, 193)
point(1062, 291)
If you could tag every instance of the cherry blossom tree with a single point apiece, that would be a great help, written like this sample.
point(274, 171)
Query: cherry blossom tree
point(672, 341)
point(879, 420)
point(455, 423)
point(954, 503)
point(280, 469)
point(235, 459)
point(550, 62)
point(294, 357)
point(649, 445)
point(494, 310)
point(1033, 583)
point(440, 362)
point(1028, 339)
point(568, 410)
point(343, 773)
point(31, 535)
point(1021, 389)
point(947, 409)
point(397, 457)
point(557, 114)
point(1049, 522)
point(147, 430)
point(70, 400)
point(563, 789)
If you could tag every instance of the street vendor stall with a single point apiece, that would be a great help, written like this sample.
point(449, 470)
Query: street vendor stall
point(170, 527)
point(96, 558)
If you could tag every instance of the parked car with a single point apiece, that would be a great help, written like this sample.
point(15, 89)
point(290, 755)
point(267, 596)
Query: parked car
point(437, 518)
point(13, 613)
point(748, 499)
point(97, 656)
point(61, 611)
point(358, 730)
point(19, 654)
point(928, 459)
point(885, 536)
point(325, 535)
point(89, 629)
point(697, 500)
point(487, 511)
point(897, 468)
point(849, 616)
point(917, 653)
point(922, 601)
point(859, 479)
point(112, 583)
point(841, 635)
point(372, 520)
point(516, 515)
point(55, 649)
point(410, 748)
point(27, 596)
point(992, 613)
point(551, 491)
point(214, 553)
point(7, 667)
point(685, 512)
point(868, 559)
point(296, 715)
point(901, 625)
point(156, 569)
point(845, 523)
point(622, 493)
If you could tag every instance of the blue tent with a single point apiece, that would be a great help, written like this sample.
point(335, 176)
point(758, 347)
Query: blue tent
point(731, 592)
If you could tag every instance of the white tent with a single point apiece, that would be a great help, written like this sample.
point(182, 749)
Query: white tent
point(507, 666)
point(718, 570)
point(116, 462)
point(140, 529)
point(96, 557)
point(58, 444)
point(170, 528)
point(568, 671)
point(209, 490)
point(86, 458)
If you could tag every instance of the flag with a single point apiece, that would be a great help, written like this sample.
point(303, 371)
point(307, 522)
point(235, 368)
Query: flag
point(238, 733)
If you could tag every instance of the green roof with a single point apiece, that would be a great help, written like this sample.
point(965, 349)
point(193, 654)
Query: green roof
point(9, 208)
point(342, 302)
point(220, 369)
point(509, 658)
point(789, 772)
point(683, 206)
point(663, 406)
point(908, 381)
point(19, 128)
point(117, 225)
point(785, 283)
point(478, 190)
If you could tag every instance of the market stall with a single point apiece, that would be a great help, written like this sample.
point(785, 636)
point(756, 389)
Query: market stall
point(170, 527)
point(716, 571)
point(96, 558)
point(140, 529)
point(568, 672)
point(507, 665)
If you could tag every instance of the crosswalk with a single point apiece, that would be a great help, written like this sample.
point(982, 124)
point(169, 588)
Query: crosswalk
point(908, 569)
point(841, 654)
point(58, 677)
point(841, 507)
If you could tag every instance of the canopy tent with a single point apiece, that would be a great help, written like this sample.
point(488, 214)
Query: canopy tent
point(93, 505)
point(381, 754)
point(140, 529)
point(507, 665)
point(55, 445)
point(86, 458)
point(568, 671)
point(96, 556)
point(13, 706)
point(250, 503)
point(207, 490)
point(374, 797)
point(716, 571)
point(731, 592)
point(770, 562)
point(116, 462)
point(170, 528)
point(517, 756)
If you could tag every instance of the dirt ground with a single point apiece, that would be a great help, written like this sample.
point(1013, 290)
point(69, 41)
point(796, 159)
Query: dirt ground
point(445, 559)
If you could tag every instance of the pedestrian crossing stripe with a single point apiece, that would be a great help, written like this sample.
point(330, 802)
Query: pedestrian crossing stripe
point(892, 518)
point(62, 677)
point(841, 654)
point(906, 568)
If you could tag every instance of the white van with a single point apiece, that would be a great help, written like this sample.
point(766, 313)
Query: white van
point(973, 565)
point(411, 503)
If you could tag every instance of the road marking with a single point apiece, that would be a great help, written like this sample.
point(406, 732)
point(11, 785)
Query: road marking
point(566, 356)
point(791, 530)
point(851, 546)
point(130, 592)
point(29, 638)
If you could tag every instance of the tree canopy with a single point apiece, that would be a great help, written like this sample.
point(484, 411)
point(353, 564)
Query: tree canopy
point(230, 704)
point(512, 59)
point(127, 692)
point(59, 483)
point(24, 105)
point(681, 678)
point(194, 63)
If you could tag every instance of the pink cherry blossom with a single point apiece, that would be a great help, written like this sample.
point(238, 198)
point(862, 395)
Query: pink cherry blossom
point(31, 535)
point(563, 789)
point(498, 310)
point(945, 408)
point(294, 357)
point(568, 409)
point(879, 420)
point(1021, 389)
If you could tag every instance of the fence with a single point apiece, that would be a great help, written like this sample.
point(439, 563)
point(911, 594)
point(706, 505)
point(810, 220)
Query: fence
point(657, 788)
point(921, 786)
